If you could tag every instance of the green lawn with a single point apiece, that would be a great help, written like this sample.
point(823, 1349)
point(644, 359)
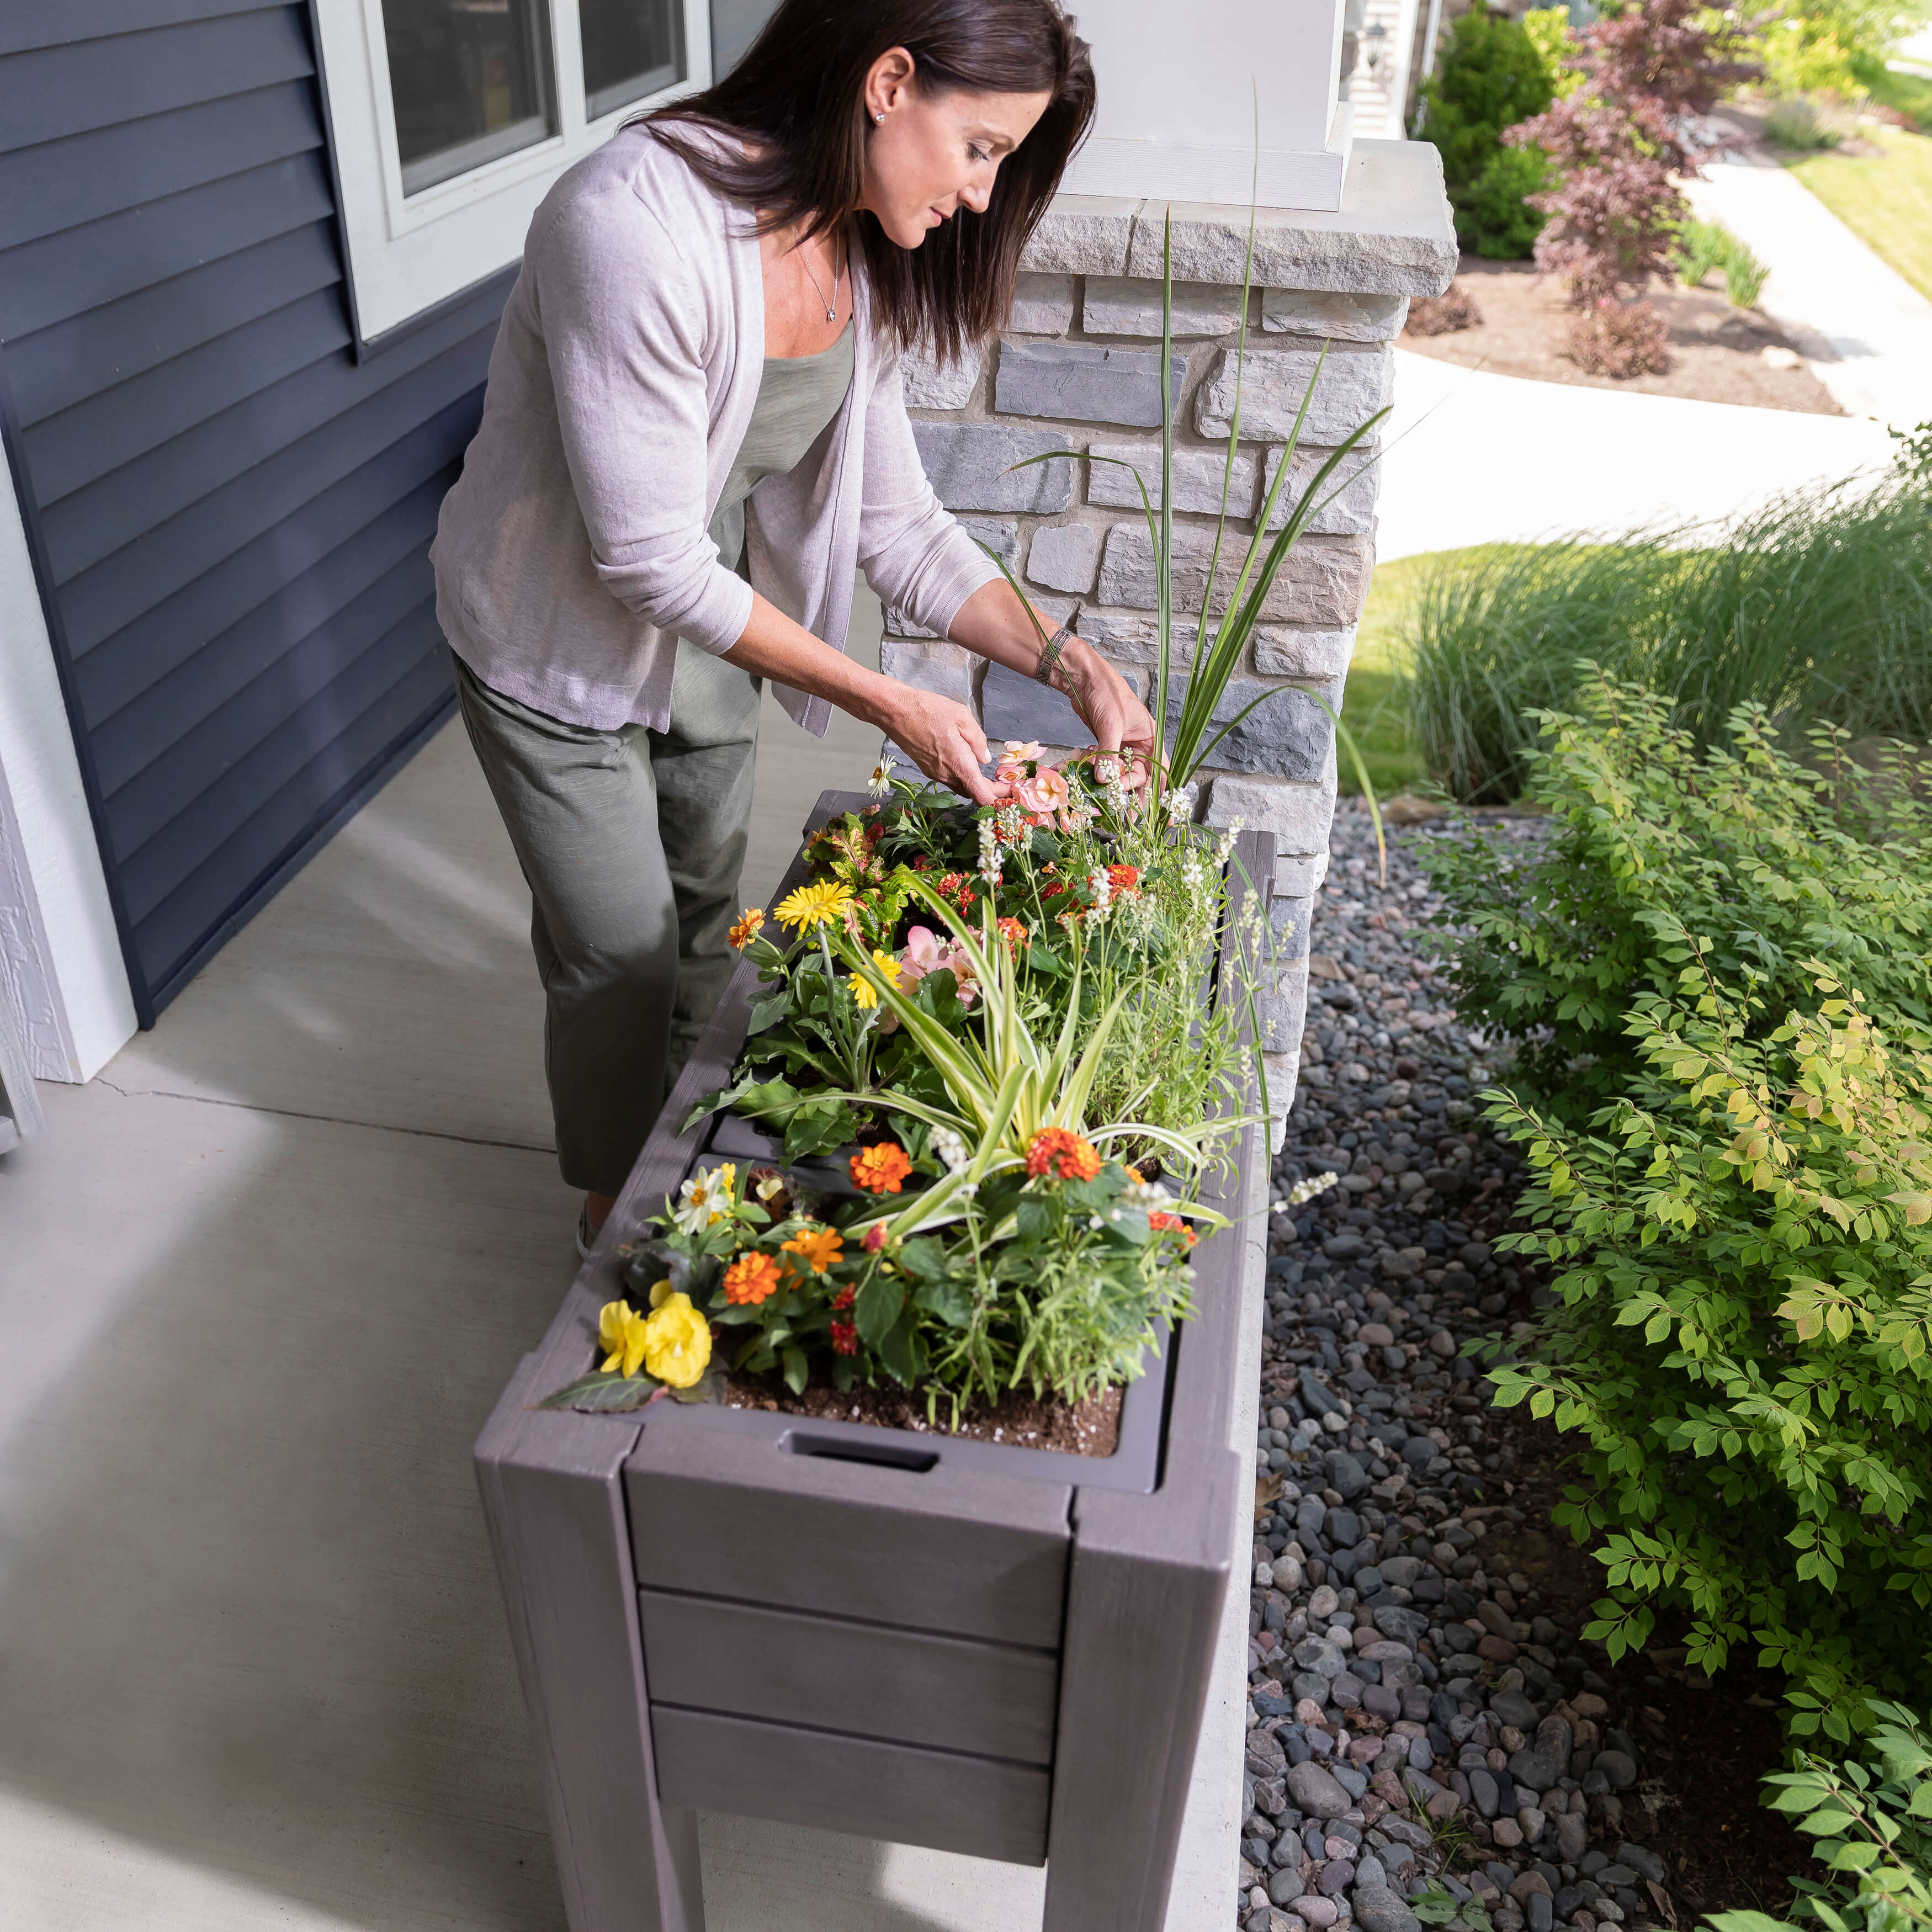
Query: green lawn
point(1885, 199)
point(1372, 710)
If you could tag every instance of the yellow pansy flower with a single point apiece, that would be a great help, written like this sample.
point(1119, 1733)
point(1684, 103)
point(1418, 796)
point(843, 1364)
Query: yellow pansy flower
point(677, 1341)
point(620, 1329)
point(822, 904)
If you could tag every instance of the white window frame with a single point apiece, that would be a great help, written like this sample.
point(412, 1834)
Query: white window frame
point(408, 254)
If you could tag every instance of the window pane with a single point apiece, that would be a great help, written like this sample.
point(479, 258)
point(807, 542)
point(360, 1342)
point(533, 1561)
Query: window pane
point(631, 48)
point(470, 81)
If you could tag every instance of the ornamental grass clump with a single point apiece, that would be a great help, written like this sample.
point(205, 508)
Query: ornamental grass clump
point(1742, 1249)
point(1771, 858)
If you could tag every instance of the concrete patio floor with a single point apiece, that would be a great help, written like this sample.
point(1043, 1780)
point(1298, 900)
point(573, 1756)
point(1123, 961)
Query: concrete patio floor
point(260, 1283)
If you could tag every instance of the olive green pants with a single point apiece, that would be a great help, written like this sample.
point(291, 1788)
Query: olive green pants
point(631, 841)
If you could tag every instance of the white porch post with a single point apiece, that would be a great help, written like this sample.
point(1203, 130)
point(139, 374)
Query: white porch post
point(1179, 89)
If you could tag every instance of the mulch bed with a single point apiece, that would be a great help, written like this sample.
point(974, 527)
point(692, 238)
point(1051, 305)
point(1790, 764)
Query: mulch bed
point(1717, 351)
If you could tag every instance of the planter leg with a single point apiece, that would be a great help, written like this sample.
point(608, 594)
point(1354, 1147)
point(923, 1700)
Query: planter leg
point(555, 1510)
point(1143, 1615)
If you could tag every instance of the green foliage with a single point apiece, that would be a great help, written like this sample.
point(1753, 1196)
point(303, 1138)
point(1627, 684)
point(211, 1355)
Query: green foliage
point(1871, 1815)
point(1492, 74)
point(1744, 1244)
point(1818, 607)
point(1549, 30)
point(1705, 245)
point(1701, 247)
point(1797, 124)
point(1835, 47)
point(1493, 215)
point(1770, 861)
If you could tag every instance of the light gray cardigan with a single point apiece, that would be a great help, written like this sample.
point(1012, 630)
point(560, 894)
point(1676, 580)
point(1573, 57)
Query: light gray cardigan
point(572, 553)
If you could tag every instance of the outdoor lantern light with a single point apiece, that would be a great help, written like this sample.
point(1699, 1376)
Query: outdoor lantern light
point(1374, 37)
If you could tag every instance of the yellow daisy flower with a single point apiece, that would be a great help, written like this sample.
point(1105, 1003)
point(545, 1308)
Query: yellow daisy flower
point(865, 994)
point(821, 905)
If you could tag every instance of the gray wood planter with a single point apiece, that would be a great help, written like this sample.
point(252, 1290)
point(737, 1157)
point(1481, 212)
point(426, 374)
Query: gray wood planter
point(990, 1650)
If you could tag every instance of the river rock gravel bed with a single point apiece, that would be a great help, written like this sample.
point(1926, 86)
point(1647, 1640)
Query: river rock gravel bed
point(1424, 1728)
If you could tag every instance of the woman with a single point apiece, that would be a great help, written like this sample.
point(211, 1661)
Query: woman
point(693, 432)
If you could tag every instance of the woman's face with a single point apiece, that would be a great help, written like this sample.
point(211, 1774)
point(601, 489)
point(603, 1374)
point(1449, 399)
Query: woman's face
point(930, 155)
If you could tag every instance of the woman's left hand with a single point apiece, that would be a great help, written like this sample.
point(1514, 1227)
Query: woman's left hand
point(1108, 707)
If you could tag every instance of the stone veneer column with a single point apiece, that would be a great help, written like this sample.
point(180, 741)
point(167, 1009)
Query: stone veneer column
point(1074, 377)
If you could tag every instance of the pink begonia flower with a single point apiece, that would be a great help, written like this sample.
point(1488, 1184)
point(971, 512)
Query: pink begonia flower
point(1045, 791)
point(925, 952)
point(1018, 754)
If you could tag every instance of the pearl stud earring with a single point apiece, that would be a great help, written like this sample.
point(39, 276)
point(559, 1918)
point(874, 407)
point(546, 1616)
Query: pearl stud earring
point(879, 115)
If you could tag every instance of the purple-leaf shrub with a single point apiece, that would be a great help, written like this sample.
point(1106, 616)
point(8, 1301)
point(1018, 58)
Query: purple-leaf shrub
point(1617, 141)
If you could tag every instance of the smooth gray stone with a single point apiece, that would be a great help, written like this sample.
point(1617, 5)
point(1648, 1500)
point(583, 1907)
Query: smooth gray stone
point(1321, 1655)
point(1377, 1909)
point(1533, 1768)
point(1512, 1707)
point(1084, 381)
point(969, 466)
point(1643, 1861)
point(1617, 1768)
point(1284, 1885)
point(1482, 1791)
point(1346, 1476)
point(1316, 1791)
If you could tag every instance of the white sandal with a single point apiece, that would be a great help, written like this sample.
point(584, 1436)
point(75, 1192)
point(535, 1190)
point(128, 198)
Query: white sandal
point(585, 1239)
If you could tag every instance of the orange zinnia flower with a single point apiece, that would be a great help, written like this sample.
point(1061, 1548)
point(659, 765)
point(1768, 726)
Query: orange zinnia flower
point(746, 930)
point(880, 1169)
point(1124, 878)
point(752, 1278)
point(1014, 932)
point(817, 1249)
point(1054, 1150)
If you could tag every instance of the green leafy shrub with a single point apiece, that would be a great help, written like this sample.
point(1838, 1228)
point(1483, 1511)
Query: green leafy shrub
point(1492, 76)
point(1744, 1245)
point(1494, 216)
point(1817, 606)
point(1744, 276)
point(1872, 1817)
point(1772, 862)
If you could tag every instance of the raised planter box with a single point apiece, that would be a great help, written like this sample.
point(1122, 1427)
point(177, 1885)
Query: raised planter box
point(984, 1648)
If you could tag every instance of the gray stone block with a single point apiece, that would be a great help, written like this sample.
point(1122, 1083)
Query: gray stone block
point(1136, 640)
point(1042, 305)
point(1064, 556)
point(1281, 1004)
point(1298, 875)
point(947, 669)
point(1083, 382)
point(1198, 476)
point(1281, 651)
point(1000, 535)
point(1392, 235)
point(1286, 735)
point(1349, 494)
point(1354, 383)
point(970, 465)
point(1300, 816)
point(1320, 583)
point(1012, 705)
point(927, 386)
point(1084, 235)
point(1124, 305)
point(1339, 317)
point(1291, 920)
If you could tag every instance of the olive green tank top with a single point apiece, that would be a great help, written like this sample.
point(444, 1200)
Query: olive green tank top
point(798, 395)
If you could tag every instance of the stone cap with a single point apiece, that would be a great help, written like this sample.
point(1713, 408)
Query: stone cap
point(1392, 235)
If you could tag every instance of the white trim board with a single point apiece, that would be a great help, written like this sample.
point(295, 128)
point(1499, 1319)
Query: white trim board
point(406, 252)
point(62, 975)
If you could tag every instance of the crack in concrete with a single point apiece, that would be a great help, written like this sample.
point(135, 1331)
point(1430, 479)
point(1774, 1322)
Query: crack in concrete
point(327, 1119)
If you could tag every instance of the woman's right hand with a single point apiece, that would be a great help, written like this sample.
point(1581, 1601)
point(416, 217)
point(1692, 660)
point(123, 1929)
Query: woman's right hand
point(943, 740)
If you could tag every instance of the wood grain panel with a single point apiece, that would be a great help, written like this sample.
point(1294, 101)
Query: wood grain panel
point(979, 1806)
point(907, 1686)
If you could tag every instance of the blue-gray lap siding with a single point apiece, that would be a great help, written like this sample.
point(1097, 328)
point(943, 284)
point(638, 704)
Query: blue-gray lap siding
point(230, 515)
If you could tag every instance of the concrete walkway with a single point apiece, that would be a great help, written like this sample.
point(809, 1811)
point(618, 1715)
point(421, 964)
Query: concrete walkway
point(1480, 458)
point(1865, 330)
point(260, 1284)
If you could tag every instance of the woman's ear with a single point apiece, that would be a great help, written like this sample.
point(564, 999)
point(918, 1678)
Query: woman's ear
point(888, 83)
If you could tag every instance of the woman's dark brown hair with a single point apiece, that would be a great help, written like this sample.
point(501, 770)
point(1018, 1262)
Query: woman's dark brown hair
point(799, 92)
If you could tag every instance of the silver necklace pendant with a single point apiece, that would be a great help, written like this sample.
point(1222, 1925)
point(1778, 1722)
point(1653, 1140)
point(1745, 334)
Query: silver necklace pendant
point(832, 302)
